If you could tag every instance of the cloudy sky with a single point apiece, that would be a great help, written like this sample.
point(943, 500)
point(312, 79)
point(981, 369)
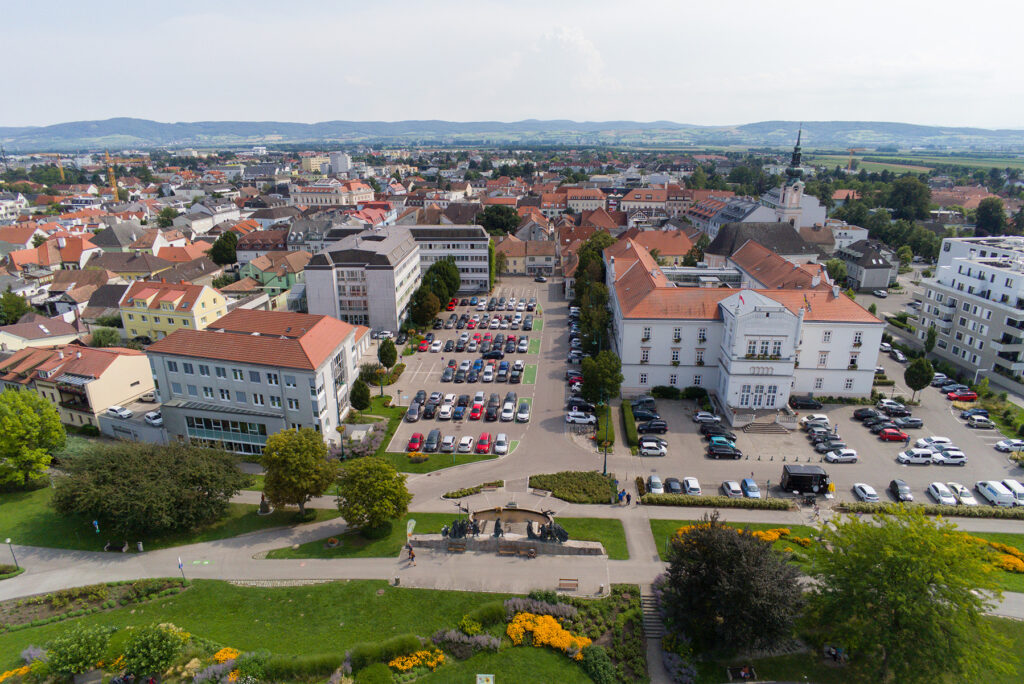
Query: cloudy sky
point(738, 61)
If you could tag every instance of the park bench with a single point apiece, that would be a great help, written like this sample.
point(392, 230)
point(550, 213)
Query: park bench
point(568, 584)
point(506, 550)
point(456, 547)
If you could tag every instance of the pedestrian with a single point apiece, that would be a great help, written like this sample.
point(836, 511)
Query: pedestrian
point(906, 442)
point(629, 499)
point(622, 495)
point(412, 555)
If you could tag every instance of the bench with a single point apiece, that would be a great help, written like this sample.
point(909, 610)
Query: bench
point(568, 584)
point(456, 547)
point(506, 550)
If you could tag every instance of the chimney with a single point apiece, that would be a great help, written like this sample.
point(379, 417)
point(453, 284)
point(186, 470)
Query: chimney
point(611, 267)
point(60, 355)
point(835, 291)
point(78, 355)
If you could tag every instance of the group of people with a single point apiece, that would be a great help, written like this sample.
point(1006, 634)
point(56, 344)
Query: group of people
point(625, 496)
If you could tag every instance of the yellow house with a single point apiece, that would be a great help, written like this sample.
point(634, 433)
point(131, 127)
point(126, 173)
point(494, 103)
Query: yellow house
point(156, 309)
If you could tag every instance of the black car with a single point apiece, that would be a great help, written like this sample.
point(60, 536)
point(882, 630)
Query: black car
point(494, 354)
point(828, 445)
point(900, 490)
point(673, 486)
point(473, 376)
point(644, 414)
point(909, 423)
point(656, 426)
point(464, 302)
point(449, 346)
point(461, 324)
point(402, 338)
point(804, 403)
point(494, 400)
point(719, 432)
point(724, 451)
point(448, 374)
point(491, 413)
point(865, 413)
point(527, 325)
point(868, 422)
point(817, 438)
point(515, 377)
point(429, 337)
point(432, 442)
point(884, 425)
point(896, 411)
point(429, 411)
point(460, 347)
point(499, 338)
point(421, 397)
point(438, 324)
point(582, 406)
point(460, 376)
point(510, 347)
point(463, 400)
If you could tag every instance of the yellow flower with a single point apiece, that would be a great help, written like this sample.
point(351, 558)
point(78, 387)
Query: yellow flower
point(225, 654)
point(233, 676)
point(546, 631)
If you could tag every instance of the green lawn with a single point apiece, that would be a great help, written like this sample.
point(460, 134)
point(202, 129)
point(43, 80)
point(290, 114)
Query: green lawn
point(354, 545)
point(530, 374)
point(322, 618)
point(608, 531)
point(534, 346)
point(76, 445)
point(27, 518)
point(538, 325)
point(664, 529)
point(434, 461)
point(393, 414)
point(512, 445)
point(520, 665)
point(1009, 581)
point(257, 484)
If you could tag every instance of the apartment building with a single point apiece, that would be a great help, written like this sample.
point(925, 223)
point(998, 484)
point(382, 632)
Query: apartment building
point(584, 199)
point(254, 373)
point(331, 192)
point(976, 303)
point(750, 348)
point(467, 245)
point(156, 309)
point(365, 279)
point(80, 382)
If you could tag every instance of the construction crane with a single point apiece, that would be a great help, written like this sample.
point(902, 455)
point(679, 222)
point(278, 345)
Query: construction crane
point(60, 167)
point(851, 150)
point(112, 179)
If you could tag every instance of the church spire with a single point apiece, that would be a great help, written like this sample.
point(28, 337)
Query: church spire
point(794, 172)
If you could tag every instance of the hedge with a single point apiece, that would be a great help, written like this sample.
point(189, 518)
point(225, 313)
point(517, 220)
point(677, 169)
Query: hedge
point(282, 668)
point(1015, 513)
point(641, 486)
point(629, 425)
point(470, 491)
point(577, 486)
point(692, 392)
point(715, 502)
point(605, 426)
point(367, 653)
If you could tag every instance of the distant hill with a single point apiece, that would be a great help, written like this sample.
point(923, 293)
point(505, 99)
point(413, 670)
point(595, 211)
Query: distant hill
point(126, 132)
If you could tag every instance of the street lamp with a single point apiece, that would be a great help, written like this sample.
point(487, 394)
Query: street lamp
point(11, 547)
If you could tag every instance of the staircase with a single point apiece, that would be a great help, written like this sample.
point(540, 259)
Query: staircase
point(653, 627)
point(772, 428)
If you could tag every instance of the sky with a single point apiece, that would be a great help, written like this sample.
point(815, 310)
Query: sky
point(727, 62)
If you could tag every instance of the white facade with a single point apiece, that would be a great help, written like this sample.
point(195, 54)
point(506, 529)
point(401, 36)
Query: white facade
point(467, 245)
point(11, 206)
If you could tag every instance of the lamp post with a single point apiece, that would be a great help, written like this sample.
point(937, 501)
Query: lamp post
point(608, 409)
point(11, 547)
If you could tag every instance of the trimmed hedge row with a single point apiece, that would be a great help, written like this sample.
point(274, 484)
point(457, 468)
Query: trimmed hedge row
point(367, 653)
point(470, 491)
point(641, 487)
point(283, 668)
point(577, 486)
point(629, 425)
point(715, 502)
point(936, 509)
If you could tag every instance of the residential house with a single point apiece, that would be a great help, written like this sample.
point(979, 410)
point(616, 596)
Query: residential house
point(584, 199)
point(272, 216)
point(200, 271)
point(870, 265)
point(39, 332)
point(155, 309)
point(277, 272)
point(259, 243)
point(11, 206)
point(763, 269)
point(129, 265)
point(527, 257)
point(64, 252)
point(16, 237)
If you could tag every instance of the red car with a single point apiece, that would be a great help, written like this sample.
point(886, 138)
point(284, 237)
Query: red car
point(424, 345)
point(476, 336)
point(470, 324)
point(966, 395)
point(892, 435)
point(476, 412)
point(483, 445)
point(415, 442)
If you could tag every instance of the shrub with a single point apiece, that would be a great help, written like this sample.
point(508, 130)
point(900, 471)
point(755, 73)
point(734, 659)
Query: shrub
point(253, 665)
point(280, 668)
point(629, 425)
point(641, 486)
point(716, 502)
point(665, 392)
point(545, 595)
point(378, 673)
point(598, 665)
point(487, 614)
point(577, 486)
point(462, 646)
point(469, 626)
point(936, 509)
point(535, 607)
point(151, 649)
point(365, 654)
point(695, 393)
point(78, 649)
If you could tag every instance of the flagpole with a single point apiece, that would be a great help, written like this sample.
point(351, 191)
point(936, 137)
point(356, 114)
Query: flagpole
point(181, 567)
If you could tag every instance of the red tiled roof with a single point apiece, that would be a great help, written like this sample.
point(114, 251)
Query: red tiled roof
point(669, 243)
point(184, 294)
point(180, 255)
point(775, 272)
point(641, 195)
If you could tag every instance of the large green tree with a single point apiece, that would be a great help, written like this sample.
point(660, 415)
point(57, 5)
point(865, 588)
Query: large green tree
point(602, 376)
point(387, 354)
point(836, 270)
point(908, 595)
point(105, 337)
point(424, 306)
point(905, 254)
point(448, 273)
point(30, 431)
point(165, 219)
point(371, 493)
point(910, 198)
point(135, 489)
point(918, 374)
point(223, 251)
point(728, 590)
point(12, 307)
point(498, 219)
point(296, 468)
point(990, 217)
point(360, 397)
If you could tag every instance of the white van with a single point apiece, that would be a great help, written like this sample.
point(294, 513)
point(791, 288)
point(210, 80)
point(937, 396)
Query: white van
point(1017, 489)
point(995, 493)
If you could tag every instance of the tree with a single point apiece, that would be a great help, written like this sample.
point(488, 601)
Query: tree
point(78, 649)
point(729, 590)
point(360, 397)
point(110, 321)
point(223, 250)
point(387, 354)
point(500, 262)
point(602, 376)
point(905, 254)
point(1017, 224)
point(929, 339)
point(38, 240)
point(371, 493)
point(30, 431)
point(12, 307)
point(919, 374)
point(135, 489)
point(696, 253)
point(105, 337)
point(908, 594)
point(873, 309)
point(498, 219)
point(836, 270)
point(165, 219)
point(910, 198)
point(296, 468)
point(990, 217)
point(448, 273)
point(425, 305)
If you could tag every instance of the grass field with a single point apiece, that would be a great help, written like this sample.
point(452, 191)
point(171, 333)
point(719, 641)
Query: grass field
point(257, 484)
point(832, 161)
point(434, 461)
point(538, 325)
point(530, 374)
point(534, 347)
point(29, 519)
point(664, 529)
point(512, 666)
point(322, 618)
point(608, 531)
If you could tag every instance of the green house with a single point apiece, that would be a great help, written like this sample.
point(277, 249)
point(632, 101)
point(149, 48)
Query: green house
point(276, 272)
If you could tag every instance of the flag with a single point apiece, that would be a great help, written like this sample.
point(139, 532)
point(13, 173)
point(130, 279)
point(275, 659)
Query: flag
point(741, 300)
point(180, 566)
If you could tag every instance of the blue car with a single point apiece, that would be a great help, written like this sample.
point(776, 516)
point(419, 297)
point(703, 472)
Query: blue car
point(473, 301)
point(750, 489)
point(459, 413)
point(967, 413)
point(718, 439)
point(478, 365)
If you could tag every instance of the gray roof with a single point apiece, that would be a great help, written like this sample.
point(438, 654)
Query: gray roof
point(778, 237)
point(368, 248)
point(442, 232)
point(127, 262)
point(276, 213)
point(190, 270)
point(119, 235)
point(108, 296)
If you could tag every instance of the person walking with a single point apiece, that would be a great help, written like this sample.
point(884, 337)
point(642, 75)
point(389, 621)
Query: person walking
point(629, 499)
point(412, 554)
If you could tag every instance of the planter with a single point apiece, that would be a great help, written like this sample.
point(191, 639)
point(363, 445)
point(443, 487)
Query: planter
point(700, 363)
point(679, 339)
point(858, 344)
point(675, 363)
point(332, 543)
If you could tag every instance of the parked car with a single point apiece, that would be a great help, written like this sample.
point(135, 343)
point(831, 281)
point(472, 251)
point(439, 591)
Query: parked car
point(508, 412)
point(433, 441)
point(691, 486)
point(842, 456)
point(816, 431)
point(814, 419)
point(963, 494)
point(898, 356)
point(915, 456)
point(939, 379)
point(967, 413)
point(951, 457)
point(154, 418)
point(415, 442)
point(501, 443)
point(654, 485)
point(649, 447)
point(750, 488)
point(706, 417)
point(673, 486)
point(722, 439)
point(523, 414)
point(644, 414)
point(881, 294)
point(724, 451)
point(414, 412)
point(900, 490)
point(476, 412)
point(448, 444)
point(909, 423)
point(655, 426)
point(580, 418)
point(941, 494)
point(827, 445)
point(483, 443)
point(805, 403)
point(1007, 445)
point(148, 397)
point(963, 395)
point(465, 444)
point(885, 347)
point(731, 489)
point(980, 423)
point(897, 411)
point(929, 442)
point(710, 430)
point(119, 412)
point(865, 492)
point(995, 493)
point(877, 428)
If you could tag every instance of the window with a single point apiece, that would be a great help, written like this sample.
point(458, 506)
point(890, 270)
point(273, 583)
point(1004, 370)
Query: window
point(220, 371)
point(699, 357)
point(645, 355)
point(818, 382)
point(777, 348)
point(751, 347)
point(647, 333)
point(172, 366)
point(193, 391)
point(764, 348)
point(702, 334)
point(225, 395)
point(254, 376)
point(848, 385)
point(677, 333)
point(257, 399)
point(237, 374)
point(272, 379)
point(208, 392)
point(853, 359)
point(289, 381)
point(758, 396)
point(672, 379)
point(188, 369)
point(156, 319)
point(293, 404)
point(675, 355)
point(822, 358)
point(240, 397)
point(773, 392)
point(745, 396)
point(176, 387)
point(204, 371)
point(826, 336)
point(696, 380)
point(275, 401)
point(858, 338)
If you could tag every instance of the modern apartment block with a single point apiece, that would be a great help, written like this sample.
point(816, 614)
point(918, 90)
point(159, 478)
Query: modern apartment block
point(253, 373)
point(365, 279)
point(466, 244)
point(156, 309)
point(976, 303)
point(750, 348)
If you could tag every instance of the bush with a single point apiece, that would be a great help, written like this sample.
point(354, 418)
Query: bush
point(78, 649)
point(487, 614)
point(469, 626)
point(545, 595)
point(151, 649)
point(716, 502)
point(629, 425)
point(281, 668)
point(665, 392)
point(365, 654)
point(641, 486)
point(252, 665)
point(577, 486)
point(936, 509)
point(598, 666)
point(695, 393)
point(561, 611)
point(462, 646)
point(378, 673)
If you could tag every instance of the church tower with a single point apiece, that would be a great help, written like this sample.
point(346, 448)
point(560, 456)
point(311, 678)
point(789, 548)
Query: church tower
point(789, 208)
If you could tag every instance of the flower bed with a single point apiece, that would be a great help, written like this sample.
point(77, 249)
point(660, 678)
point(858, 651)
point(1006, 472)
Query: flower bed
point(431, 659)
point(470, 491)
point(544, 630)
point(936, 509)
